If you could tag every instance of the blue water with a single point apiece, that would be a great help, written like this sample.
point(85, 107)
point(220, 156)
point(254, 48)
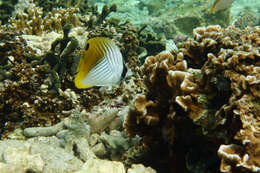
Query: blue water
point(174, 14)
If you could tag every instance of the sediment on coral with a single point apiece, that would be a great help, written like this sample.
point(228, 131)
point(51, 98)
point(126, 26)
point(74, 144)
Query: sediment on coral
point(208, 91)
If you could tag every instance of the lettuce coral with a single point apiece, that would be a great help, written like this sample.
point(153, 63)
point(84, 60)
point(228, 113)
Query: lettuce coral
point(207, 95)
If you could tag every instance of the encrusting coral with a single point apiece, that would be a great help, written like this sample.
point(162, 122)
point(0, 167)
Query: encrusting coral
point(208, 91)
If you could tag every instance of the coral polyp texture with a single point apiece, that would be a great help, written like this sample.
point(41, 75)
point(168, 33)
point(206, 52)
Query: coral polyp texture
point(203, 99)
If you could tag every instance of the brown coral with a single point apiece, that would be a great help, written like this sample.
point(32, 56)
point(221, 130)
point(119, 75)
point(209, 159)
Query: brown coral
point(35, 22)
point(23, 99)
point(238, 64)
point(214, 81)
point(12, 47)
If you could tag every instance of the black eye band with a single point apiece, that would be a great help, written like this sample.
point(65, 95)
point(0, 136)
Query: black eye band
point(87, 46)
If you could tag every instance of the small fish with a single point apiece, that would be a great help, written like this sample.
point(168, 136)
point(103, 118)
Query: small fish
point(101, 65)
point(220, 5)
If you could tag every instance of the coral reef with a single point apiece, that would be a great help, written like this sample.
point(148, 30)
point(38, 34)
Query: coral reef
point(239, 65)
point(191, 108)
point(208, 91)
point(12, 48)
point(178, 17)
point(31, 84)
point(37, 92)
point(36, 71)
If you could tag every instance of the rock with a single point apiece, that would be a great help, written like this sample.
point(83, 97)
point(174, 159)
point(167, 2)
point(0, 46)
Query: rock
point(93, 139)
point(115, 141)
point(102, 166)
point(99, 150)
point(116, 124)
point(53, 140)
point(138, 168)
point(23, 157)
point(101, 119)
point(82, 150)
point(17, 134)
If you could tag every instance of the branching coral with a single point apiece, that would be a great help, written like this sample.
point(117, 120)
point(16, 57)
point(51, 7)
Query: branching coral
point(12, 48)
point(35, 22)
point(24, 98)
point(208, 91)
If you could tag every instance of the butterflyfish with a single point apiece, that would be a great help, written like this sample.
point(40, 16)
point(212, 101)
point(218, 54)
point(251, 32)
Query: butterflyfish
point(101, 64)
point(220, 5)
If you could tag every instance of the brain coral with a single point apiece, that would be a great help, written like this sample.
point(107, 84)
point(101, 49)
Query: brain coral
point(206, 95)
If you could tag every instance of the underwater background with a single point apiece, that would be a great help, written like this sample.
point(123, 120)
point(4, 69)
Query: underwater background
point(187, 101)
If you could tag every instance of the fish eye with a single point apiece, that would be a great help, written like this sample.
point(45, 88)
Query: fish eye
point(87, 46)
